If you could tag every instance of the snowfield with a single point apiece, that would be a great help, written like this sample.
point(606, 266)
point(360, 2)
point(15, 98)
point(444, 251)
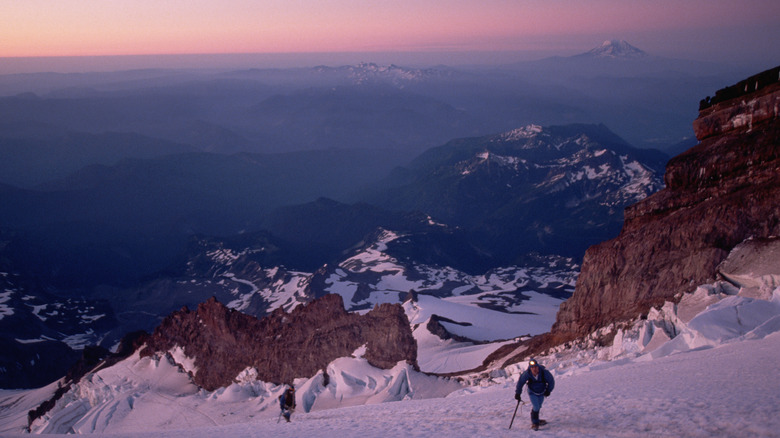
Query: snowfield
point(706, 366)
point(730, 390)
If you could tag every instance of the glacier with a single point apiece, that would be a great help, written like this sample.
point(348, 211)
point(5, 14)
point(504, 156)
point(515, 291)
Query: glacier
point(677, 372)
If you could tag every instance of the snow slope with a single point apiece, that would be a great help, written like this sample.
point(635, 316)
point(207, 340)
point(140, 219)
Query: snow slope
point(729, 390)
point(717, 376)
point(437, 355)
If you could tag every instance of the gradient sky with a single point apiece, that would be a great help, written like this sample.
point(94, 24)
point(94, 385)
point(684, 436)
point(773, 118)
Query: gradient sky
point(683, 28)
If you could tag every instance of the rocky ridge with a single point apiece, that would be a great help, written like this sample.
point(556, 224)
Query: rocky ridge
point(750, 102)
point(718, 194)
point(220, 343)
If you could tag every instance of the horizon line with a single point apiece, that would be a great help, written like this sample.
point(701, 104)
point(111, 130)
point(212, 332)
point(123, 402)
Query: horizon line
point(117, 62)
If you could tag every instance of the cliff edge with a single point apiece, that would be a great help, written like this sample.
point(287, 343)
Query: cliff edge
point(718, 194)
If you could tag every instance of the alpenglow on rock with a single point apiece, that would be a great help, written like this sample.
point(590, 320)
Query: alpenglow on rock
point(718, 194)
point(282, 346)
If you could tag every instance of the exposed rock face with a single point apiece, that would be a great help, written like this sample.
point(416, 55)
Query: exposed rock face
point(436, 328)
point(283, 345)
point(719, 193)
point(740, 106)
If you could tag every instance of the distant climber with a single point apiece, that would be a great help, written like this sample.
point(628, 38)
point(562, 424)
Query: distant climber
point(287, 403)
point(540, 385)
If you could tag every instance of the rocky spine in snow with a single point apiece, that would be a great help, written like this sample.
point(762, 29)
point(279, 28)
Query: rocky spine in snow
point(718, 194)
point(282, 346)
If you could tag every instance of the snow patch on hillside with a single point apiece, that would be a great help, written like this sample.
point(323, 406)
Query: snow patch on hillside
point(528, 131)
point(5, 310)
point(392, 280)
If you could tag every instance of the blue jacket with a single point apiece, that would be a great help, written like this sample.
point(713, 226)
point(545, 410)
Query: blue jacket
point(287, 401)
point(545, 382)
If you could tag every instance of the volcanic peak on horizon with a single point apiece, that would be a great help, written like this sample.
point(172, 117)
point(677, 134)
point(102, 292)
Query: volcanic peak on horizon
point(616, 49)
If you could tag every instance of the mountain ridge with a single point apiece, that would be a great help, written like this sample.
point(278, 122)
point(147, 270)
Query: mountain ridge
point(528, 181)
point(222, 342)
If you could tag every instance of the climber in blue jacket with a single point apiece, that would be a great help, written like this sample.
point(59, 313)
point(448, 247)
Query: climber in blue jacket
point(540, 384)
point(287, 403)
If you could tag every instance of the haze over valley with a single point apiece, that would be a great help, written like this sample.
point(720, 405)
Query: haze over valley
point(381, 223)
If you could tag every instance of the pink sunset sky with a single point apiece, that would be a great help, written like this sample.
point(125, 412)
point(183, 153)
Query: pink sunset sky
point(704, 29)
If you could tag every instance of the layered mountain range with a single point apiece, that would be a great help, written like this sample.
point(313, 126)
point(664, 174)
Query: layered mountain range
point(461, 257)
point(493, 225)
point(721, 199)
point(532, 196)
point(553, 191)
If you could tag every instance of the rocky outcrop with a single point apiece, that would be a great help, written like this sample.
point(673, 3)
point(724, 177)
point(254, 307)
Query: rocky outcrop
point(742, 88)
point(282, 346)
point(741, 106)
point(436, 328)
point(718, 194)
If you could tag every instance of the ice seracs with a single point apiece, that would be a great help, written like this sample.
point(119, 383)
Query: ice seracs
point(709, 344)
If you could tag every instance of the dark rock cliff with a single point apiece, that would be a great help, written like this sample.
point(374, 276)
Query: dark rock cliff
point(719, 193)
point(282, 346)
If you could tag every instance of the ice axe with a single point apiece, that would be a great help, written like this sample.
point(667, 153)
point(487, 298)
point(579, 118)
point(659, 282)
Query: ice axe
point(513, 415)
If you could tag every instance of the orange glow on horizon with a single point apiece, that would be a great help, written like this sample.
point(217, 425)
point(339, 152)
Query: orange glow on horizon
point(134, 27)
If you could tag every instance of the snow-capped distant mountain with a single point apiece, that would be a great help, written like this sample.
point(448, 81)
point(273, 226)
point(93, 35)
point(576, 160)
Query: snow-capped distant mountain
point(615, 49)
point(369, 72)
point(611, 174)
point(552, 189)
